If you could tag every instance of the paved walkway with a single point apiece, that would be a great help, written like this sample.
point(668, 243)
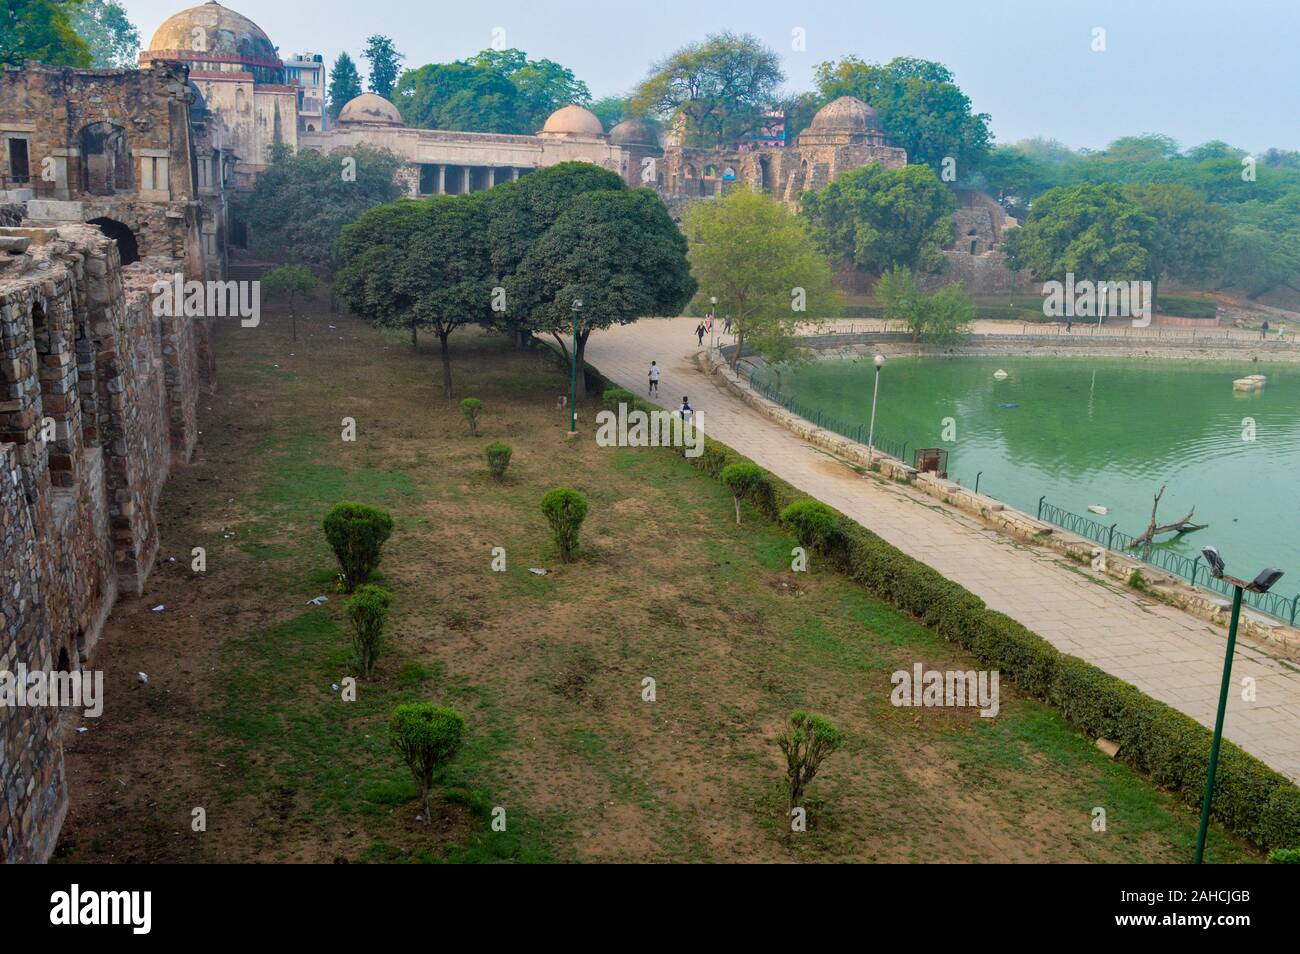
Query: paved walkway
point(1166, 653)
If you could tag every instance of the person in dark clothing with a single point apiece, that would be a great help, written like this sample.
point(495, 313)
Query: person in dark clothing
point(699, 333)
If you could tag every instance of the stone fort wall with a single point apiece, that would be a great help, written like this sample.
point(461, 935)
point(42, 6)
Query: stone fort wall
point(98, 400)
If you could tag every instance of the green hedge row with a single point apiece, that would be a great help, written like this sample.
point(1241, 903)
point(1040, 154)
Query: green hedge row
point(1157, 740)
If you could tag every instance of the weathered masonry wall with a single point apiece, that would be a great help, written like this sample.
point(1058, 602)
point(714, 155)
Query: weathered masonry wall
point(97, 402)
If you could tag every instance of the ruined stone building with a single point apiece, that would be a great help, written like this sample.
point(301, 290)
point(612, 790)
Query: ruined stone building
point(130, 151)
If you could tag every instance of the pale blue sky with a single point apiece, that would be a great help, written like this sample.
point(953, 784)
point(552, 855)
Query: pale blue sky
point(1193, 69)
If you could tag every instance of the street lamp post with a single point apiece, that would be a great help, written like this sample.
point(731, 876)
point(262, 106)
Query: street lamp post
point(573, 376)
point(871, 431)
point(713, 324)
point(1261, 584)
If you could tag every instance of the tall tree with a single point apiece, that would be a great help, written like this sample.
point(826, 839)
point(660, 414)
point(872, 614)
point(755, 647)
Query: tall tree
point(384, 63)
point(760, 262)
point(543, 85)
point(41, 30)
point(875, 218)
point(938, 317)
point(345, 84)
point(113, 39)
point(1188, 235)
point(920, 105)
point(301, 202)
point(1092, 231)
point(721, 88)
point(516, 216)
point(419, 264)
point(461, 96)
point(618, 252)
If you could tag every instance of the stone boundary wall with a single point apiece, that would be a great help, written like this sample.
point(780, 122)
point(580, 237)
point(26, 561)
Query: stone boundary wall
point(1178, 347)
point(1275, 635)
point(98, 399)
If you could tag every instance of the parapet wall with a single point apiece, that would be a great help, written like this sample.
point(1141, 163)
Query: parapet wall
point(98, 399)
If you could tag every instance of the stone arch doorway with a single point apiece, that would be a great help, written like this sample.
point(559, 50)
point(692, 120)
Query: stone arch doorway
point(127, 246)
point(106, 165)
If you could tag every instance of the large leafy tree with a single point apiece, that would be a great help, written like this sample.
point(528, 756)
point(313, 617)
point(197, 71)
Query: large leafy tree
point(875, 218)
point(41, 30)
point(345, 84)
point(921, 107)
point(1093, 231)
point(461, 96)
point(760, 262)
point(720, 87)
point(543, 85)
point(1187, 237)
point(618, 252)
point(419, 264)
point(113, 39)
point(301, 202)
point(384, 62)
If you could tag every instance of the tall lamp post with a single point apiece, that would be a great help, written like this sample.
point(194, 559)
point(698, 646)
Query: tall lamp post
point(573, 376)
point(1261, 584)
point(875, 393)
point(713, 324)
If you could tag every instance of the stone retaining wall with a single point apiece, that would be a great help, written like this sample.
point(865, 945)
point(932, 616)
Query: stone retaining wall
point(97, 402)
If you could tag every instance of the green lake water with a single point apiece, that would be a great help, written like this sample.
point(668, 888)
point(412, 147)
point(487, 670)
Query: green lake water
point(1099, 431)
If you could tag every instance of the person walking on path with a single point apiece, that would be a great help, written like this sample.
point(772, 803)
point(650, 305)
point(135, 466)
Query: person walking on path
point(1263, 330)
point(699, 333)
point(1281, 332)
point(1069, 322)
point(686, 410)
point(654, 379)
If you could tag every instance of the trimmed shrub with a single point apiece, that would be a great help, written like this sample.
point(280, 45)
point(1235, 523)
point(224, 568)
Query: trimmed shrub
point(1284, 856)
point(498, 458)
point(1280, 823)
point(427, 737)
point(357, 532)
point(613, 397)
point(743, 480)
point(808, 740)
point(368, 610)
point(814, 524)
point(565, 509)
point(472, 407)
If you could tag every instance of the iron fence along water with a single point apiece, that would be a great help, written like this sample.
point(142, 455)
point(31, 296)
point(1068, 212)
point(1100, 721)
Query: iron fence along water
point(1191, 569)
point(853, 431)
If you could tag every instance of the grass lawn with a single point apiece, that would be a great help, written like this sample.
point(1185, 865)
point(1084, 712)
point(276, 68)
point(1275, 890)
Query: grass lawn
point(240, 716)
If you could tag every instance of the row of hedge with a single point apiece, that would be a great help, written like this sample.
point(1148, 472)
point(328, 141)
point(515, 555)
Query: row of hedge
point(1171, 748)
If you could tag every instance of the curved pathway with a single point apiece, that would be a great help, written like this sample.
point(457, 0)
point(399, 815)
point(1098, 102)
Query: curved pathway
point(1166, 653)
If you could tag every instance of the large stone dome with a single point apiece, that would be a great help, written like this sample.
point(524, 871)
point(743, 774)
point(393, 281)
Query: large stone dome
point(219, 30)
point(633, 132)
point(573, 120)
point(370, 109)
point(842, 120)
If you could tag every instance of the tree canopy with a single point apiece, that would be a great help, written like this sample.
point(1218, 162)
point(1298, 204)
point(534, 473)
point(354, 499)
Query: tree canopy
point(385, 63)
point(301, 202)
point(875, 218)
point(345, 84)
point(720, 88)
point(499, 91)
point(760, 262)
point(41, 30)
point(920, 105)
point(113, 40)
point(1093, 231)
point(618, 252)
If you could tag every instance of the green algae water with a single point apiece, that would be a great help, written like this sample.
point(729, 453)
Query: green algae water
point(1104, 432)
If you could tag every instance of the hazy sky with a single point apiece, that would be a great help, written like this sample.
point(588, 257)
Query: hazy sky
point(1193, 69)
